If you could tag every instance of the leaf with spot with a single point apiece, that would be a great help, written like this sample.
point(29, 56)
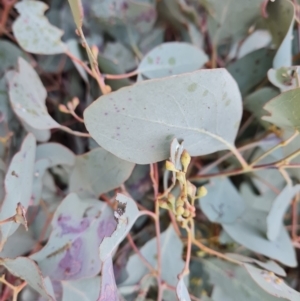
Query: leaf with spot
point(124, 223)
point(172, 58)
point(223, 203)
point(283, 79)
point(250, 231)
point(27, 97)
point(71, 252)
point(27, 270)
point(234, 282)
point(251, 69)
point(272, 284)
point(284, 110)
point(186, 107)
point(33, 31)
point(81, 290)
point(171, 252)
point(280, 23)
point(18, 185)
point(278, 210)
point(97, 172)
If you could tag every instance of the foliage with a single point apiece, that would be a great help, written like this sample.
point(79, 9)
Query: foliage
point(149, 150)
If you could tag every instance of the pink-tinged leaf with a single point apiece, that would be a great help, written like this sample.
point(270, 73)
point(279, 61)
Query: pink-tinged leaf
point(182, 292)
point(27, 270)
point(126, 219)
point(109, 291)
point(79, 226)
point(18, 185)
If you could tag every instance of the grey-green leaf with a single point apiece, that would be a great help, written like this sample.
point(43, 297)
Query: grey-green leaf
point(97, 172)
point(284, 110)
point(33, 31)
point(154, 112)
point(172, 58)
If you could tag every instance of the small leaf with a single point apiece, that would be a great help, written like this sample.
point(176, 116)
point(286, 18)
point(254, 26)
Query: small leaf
point(182, 292)
point(18, 185)
point(97, 172)
point(269, 265)
point(33, 31)
point(77, 11)
point(223, 203)
point(80, 290)
point(278, 210)
point(283, 79)
point(250, 231)
point(71, 252)
point(125, 222)
point(27, 97)
point(280, 22)
point(172, 58)
point(272, 284)
point(284, 110)
point(206, 118)
point(26, 269)
point(109, 290)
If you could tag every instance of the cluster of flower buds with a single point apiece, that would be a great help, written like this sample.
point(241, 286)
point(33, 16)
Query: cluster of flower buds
point(182, 206)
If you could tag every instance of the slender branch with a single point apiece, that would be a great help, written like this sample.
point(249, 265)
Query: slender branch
point(75, 133)
point(121, 76)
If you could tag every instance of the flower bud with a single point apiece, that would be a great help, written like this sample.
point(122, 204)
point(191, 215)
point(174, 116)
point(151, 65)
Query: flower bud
point(179, 210)
point(185, 160)
point(201, 192)
point(170, 166)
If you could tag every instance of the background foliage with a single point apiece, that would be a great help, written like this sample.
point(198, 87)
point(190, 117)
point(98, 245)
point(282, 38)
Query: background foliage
point(149, 150)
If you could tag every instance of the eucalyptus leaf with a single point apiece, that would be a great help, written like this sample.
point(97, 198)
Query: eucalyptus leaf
point(206, 118)
point(250, 231)
point(280, 22)
point(77, 11)
point(284, 110)
point(172, 58)
point(279, 208)
point(98, 172)
point(81, 290)
point(283, 79)
point(26, 269)
point(18, 185)
point(125, 222)
point(33, 31)
point(71, 252)
point(272, 284)
point(223, 203)
point(27, 97)
point(182, 292)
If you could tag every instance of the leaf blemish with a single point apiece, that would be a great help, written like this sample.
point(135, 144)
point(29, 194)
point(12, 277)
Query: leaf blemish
point(172, 61)
point(192, 87)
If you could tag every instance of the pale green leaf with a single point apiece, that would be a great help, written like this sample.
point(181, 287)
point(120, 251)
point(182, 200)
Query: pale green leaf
point(223, 203)
point(272, 284)
point(18, 185)
point(280, 22)
point(33, 31)
point(171, 253)
point(231, 19)
point(219, 295)
point(235, 282)
point(154, 112)
point(250, 231)
point(97, 172)
point(71, 252)
point(255, 101)
point(278, 210)
point(283, 79)
point(81, 290)
point(27, 270)
point(251, 69)
point(125, 222)
point(77, 11)
point(269, 265)
point(284, 110)
point(172, 58)
point(27, 97)
point(182, 292)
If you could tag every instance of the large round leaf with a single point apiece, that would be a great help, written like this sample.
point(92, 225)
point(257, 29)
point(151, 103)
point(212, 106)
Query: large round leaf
point(138, 123)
